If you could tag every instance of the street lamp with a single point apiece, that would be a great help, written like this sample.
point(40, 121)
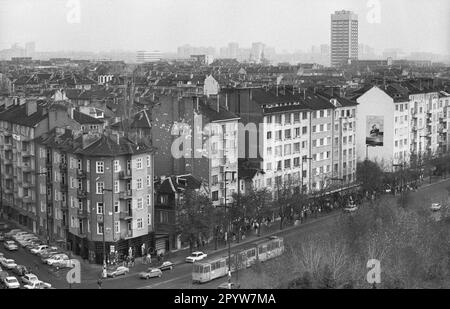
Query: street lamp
point(104, 228)
point(46, 203)
point(229, 225)
point(303, 160)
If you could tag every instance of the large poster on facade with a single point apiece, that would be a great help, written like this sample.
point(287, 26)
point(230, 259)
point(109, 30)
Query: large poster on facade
point(375, 130)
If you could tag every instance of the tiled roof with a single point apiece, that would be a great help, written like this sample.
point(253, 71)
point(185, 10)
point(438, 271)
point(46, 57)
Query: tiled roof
point(179, 183)
point(214, 115)
point(17, 115)
point(82, 118)
point(142, 120)
point(107, 146)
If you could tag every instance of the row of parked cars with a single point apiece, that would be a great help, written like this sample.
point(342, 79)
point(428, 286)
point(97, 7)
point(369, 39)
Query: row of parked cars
point(28, 241)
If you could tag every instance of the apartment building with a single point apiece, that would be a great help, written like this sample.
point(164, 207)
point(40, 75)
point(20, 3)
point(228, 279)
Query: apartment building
point(409, 120)
point(209, 150)
point(294, 135)
point(99, 189)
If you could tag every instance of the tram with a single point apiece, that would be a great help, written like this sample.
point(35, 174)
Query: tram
point(216, 267)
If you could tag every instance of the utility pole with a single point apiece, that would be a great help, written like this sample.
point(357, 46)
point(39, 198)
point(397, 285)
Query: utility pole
point(46, 203)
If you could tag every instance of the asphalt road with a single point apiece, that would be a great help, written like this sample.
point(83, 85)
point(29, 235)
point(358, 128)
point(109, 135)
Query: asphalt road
point(180, 276)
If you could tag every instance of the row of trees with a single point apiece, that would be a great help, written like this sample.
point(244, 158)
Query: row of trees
point(413, 250)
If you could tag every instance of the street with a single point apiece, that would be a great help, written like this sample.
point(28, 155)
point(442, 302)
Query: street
point(180, 276)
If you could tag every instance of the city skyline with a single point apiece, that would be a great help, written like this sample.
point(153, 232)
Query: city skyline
point(90, 28)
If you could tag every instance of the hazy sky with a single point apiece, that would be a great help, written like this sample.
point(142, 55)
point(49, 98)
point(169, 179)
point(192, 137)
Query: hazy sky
point(413, 25)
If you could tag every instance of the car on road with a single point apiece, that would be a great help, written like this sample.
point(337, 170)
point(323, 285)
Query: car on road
point(11, 245)
point(167, 265)
point(8, 263)
point(56, 258)
point(436, 206)
point(29, 278)
point(226, 286)
point(39, 249)
point(20, 270)
point(351, 207)
point(121, 270)
point(196, 256)
point(11, 283)
point(22, 235)
point(38, 285)
point(150, 273)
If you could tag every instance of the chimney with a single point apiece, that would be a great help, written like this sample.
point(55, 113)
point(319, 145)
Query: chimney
point(218, 109)
point(226, 100)
point(31, 107)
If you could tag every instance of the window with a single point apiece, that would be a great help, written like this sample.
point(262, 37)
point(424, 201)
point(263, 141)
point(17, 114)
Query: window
point(149, 183)
point(149, 219)
point(215, 195)
point(297, 162)
point(99, 208)
point(139, 163)
point(116, 166)
point(140, 203)
point(99, 187)
point(304, 130)
point(304, 115)
point(269, 119)
point(278, 165)
point(116, 226)
point(99, 228)
point(278, 135)
point(287, 149)
point(116, 186)
point(287, 118)
point(269, 135)
point(116, 206)
point(303, 144)
point(139, 183)
point(297, 132)
point(296, 117)
point(314, 129)
point(278, 119)
point(148, 161)
point(287, 134)
point(322, 128)
point(322, 114)
point(140, 224)
point(100, 167)
point(269, 166)
point(269, 151)
point(149, 200)
point(278, 151)
point(296, 147)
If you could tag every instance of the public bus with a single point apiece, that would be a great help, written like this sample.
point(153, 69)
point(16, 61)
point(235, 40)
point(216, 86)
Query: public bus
point(216, 267)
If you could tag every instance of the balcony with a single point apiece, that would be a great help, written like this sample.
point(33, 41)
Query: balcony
point(82, 213)
point(81, 194)
point(7, 133)
point(8, 176)
point(125, 174)
point(125, 195)
point(125, 215)
point(7, 161)
point(48, 163)
point(64, 206)
point(81, 174)
point(27, 184)
point(28, 199)
point(128, 235)
point(63, 165)
point(8, 191)
point(27, 153)
point(82, 234)
point(7, 147)
point(429, 114)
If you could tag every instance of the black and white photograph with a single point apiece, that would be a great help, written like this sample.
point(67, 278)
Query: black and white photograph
point(198, 146)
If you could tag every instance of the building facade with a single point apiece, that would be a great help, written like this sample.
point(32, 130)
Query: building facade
point(344, 37)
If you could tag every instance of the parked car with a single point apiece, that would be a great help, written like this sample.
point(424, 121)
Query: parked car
point(11, 283)
point(435, 206)
point(49, 254)
point(11, 245)
point(33, 245)
point(226, 286)
point(29, 278)
point(3, 226)
point(64, 264)
point(8, 263)
point(196, 256)
point(13, 232)
point(2, 237)
point(121, 270)
point(49, 249)
point(22, 235)
point(20, 270)
point(150, 273)
point(56, 258)
point(37, 285)
point(39, 249)
point(166, 265)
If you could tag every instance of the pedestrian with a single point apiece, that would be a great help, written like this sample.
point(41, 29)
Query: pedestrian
point(99, 283)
